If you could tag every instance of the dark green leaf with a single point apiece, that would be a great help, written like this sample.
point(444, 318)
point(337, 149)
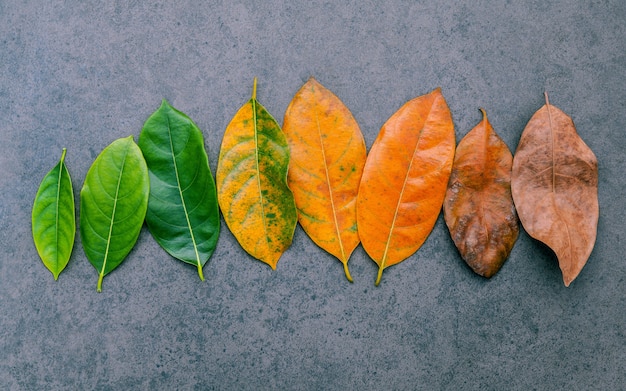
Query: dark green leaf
point(183, 215)
point(54, 225)
point(113, 205)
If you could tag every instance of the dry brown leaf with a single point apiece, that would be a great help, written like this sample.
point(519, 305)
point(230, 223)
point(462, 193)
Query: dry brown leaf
point(555, 188)
point(478, 207)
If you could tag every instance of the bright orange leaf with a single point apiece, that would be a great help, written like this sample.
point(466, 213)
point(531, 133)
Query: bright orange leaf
point(405, 180)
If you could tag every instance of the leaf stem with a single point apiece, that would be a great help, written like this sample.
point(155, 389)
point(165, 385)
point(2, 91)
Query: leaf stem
point(100, 277)
point(254, 88)
point(200, 272)
point(345, 269)
point(379, 276)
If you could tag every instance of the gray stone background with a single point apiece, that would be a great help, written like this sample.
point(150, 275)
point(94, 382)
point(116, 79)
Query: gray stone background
point(80, 74)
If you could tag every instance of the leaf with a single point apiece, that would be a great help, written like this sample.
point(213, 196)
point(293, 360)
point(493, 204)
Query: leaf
point(113, 203)
point(555, 188)
point(53, 218)
point(478, 207)
point(183, 215)
point(252, 187)
point(327, 158)
point(405, 179)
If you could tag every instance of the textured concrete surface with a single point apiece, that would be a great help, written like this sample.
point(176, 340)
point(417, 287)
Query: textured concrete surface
point(81, 74)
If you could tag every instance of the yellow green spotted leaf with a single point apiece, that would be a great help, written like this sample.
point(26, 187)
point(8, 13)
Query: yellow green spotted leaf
point(252, 190)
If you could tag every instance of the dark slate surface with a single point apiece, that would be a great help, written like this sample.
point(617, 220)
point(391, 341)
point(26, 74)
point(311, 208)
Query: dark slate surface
point(82, 74)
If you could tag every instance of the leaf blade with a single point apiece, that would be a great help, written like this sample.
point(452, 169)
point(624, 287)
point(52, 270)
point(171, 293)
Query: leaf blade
point(113, 203)
point(256, 202)
point(404, 180)
point(183, 214)
point(53, 218)
point(555, 188)
point(327, 159)
point(478, 207)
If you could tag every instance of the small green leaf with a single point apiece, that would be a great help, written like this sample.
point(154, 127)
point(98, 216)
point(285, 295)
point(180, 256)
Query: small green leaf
point(53, 219)
point(113, 205)
point(252, 186)
point(183, 215)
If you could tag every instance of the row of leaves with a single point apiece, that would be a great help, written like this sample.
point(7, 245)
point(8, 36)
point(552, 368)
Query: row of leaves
point(316, 171)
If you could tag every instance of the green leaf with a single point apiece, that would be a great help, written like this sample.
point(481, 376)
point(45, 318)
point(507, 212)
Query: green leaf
point(183, 215)
point(113, 205)
point(53, 219)
point(252, 186)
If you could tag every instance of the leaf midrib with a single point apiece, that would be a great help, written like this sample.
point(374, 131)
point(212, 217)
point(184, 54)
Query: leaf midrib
point(330, 191)
point(56, 217)
point(383, 262)
point(106, 251)
point(258, 171)
point(553, 190)
point(182, 198)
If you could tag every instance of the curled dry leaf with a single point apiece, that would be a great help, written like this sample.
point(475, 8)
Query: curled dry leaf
point(405, 180)
point(478, 207)
point(252, 183)
point(327, 159)
point(555, 188)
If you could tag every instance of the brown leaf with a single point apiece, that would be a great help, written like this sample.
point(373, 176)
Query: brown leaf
point(555, 188)
point(404, 180)
point(478, 207)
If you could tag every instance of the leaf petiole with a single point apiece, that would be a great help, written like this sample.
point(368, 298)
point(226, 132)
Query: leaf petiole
point(379, 276)
point(345, 269)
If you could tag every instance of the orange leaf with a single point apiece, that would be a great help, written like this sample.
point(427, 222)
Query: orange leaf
point(327, 158)
point(405, 179)
point(555, 188)
point(478, 207)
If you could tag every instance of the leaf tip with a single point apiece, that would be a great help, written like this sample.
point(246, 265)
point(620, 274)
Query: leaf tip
point(312, 80)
